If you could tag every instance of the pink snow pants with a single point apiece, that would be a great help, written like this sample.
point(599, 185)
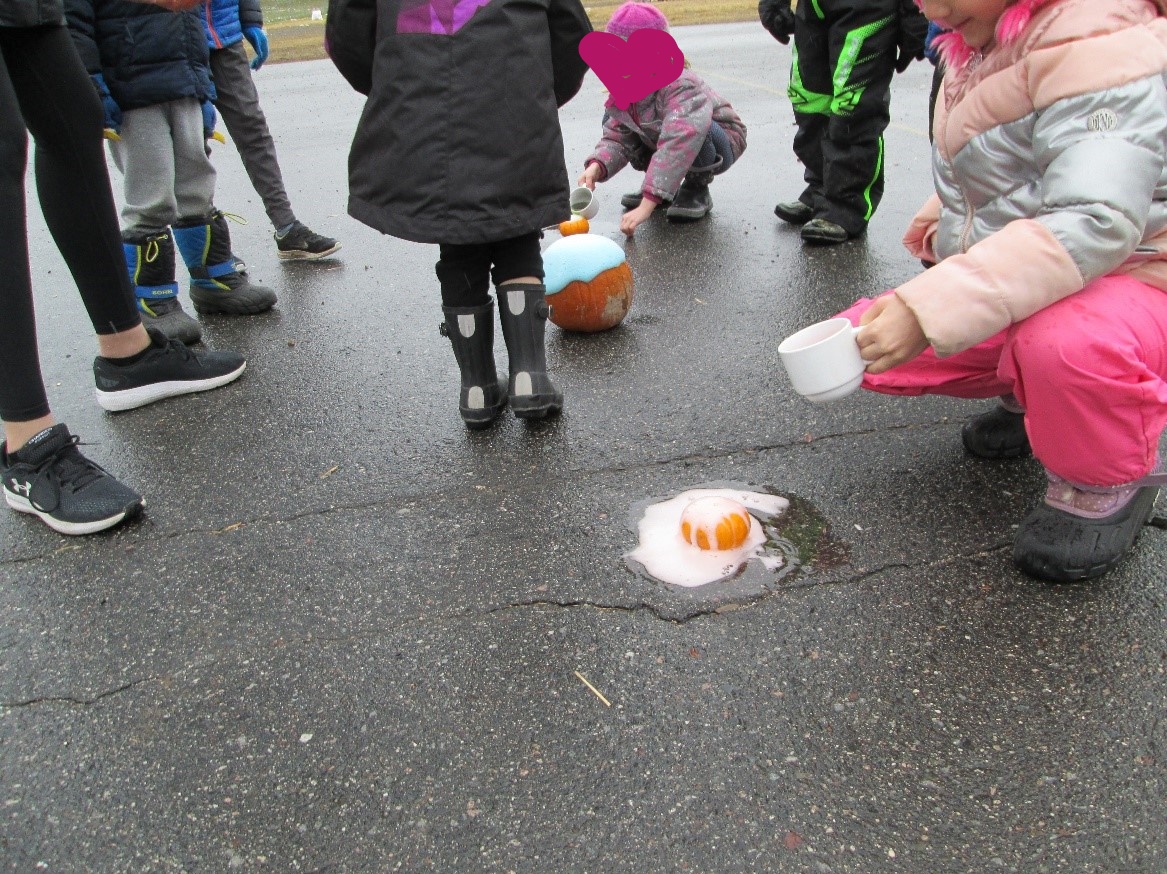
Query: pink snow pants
point(1090, 371)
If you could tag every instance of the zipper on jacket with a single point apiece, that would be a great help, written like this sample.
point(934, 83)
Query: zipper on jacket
point(210, 18)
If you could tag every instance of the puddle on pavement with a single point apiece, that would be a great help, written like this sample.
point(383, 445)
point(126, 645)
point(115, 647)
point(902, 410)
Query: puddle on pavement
point(788, 537)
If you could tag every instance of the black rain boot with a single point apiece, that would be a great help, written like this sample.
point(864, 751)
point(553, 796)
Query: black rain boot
point(471, 333)
point(693, 202)
point(216, 285)
point(150, 262)
point(523, 311)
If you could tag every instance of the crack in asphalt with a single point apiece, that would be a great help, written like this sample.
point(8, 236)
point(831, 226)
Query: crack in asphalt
point(72, 699)
point(654, 610)
point(147, 525)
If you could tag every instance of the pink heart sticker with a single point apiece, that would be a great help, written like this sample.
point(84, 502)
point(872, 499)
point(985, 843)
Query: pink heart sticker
point(632, 70)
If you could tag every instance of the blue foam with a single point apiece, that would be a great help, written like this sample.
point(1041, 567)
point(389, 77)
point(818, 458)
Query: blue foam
point(579, 258)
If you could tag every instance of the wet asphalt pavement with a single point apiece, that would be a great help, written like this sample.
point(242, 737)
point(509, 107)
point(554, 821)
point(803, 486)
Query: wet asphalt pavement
point(349, 635)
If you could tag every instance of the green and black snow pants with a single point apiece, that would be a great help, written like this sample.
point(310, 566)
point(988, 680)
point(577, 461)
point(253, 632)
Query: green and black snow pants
point(840, 80)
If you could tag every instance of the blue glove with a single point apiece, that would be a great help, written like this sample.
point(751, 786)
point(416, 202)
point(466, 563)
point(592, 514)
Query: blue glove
point(208, 119)
point(109, 106)
point(258, 40)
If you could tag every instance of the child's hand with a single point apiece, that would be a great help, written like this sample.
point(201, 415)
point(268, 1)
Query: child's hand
point(891, 334)
point(632, 219)
point(589, 177)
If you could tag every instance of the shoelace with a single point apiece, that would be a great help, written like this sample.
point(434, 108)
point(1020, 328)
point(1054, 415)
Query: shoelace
point(74, 469)
point(177, 347)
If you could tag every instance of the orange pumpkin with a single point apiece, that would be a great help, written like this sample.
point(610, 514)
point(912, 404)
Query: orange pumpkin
point(593, 306)
point(574, 225)
point(715, 523)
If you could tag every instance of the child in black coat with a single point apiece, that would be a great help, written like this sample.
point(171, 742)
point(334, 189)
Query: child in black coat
point(459, 144)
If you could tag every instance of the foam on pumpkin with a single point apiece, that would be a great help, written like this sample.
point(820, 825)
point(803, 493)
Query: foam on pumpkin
point(665, 554)
point(578, 258)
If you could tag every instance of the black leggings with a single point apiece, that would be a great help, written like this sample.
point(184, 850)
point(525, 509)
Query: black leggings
point(45, 91)
point(464, 270)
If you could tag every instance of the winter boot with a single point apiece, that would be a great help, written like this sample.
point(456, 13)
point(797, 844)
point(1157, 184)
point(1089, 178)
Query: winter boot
point(1079, 533)
point(823, 232)
point(216, 286)
point(632, 199)
point(794, 212)
point(999, 433)
point(523, 311)
point(692, 201)
point(471, 333)
point(150, 262)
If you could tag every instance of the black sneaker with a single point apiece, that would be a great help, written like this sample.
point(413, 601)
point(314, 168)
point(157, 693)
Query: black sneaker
point(169, 318)
point(50, 478)
point(166, 369)
point(300, 243)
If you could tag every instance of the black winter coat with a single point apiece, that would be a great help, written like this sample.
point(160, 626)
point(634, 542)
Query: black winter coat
point(459, 141)
point(30, 13)
point(147, 54)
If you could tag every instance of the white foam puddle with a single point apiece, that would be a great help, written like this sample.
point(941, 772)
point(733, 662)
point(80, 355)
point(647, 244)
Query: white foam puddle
point(665, 554)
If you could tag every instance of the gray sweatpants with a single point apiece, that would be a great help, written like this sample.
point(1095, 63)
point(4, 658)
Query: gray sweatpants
point(163, 159)
point(238, 105)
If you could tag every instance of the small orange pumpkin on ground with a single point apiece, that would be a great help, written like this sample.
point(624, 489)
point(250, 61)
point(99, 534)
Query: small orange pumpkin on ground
point(593, 306)
point(574, 225)
point(715, 523)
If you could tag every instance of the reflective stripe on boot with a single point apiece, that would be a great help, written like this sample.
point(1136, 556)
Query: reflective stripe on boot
point(470, 331)
point(150, 264)
point(216, 286)
point(523, 311)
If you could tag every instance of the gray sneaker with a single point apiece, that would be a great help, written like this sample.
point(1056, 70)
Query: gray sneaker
point(169, 318)
point(48, 477)
point(303, 244)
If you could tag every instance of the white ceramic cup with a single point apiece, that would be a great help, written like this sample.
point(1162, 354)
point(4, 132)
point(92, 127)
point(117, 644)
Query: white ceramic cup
point(583, 202)
point(823, 360)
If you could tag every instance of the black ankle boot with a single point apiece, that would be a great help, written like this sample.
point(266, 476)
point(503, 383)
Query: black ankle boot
point(523, 311)
point(471, 333)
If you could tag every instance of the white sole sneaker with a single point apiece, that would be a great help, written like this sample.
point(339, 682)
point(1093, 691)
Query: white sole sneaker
point(132, 398)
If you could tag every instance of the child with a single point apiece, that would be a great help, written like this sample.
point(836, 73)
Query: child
point(459, 144)
point(228, 23)
point(1048, 237)
point(151, 70)
point(845, 54)
point(681, 136)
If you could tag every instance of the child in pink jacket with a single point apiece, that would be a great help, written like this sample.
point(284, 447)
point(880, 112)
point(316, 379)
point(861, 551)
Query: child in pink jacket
point(681, 136)
point(1048, 232)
